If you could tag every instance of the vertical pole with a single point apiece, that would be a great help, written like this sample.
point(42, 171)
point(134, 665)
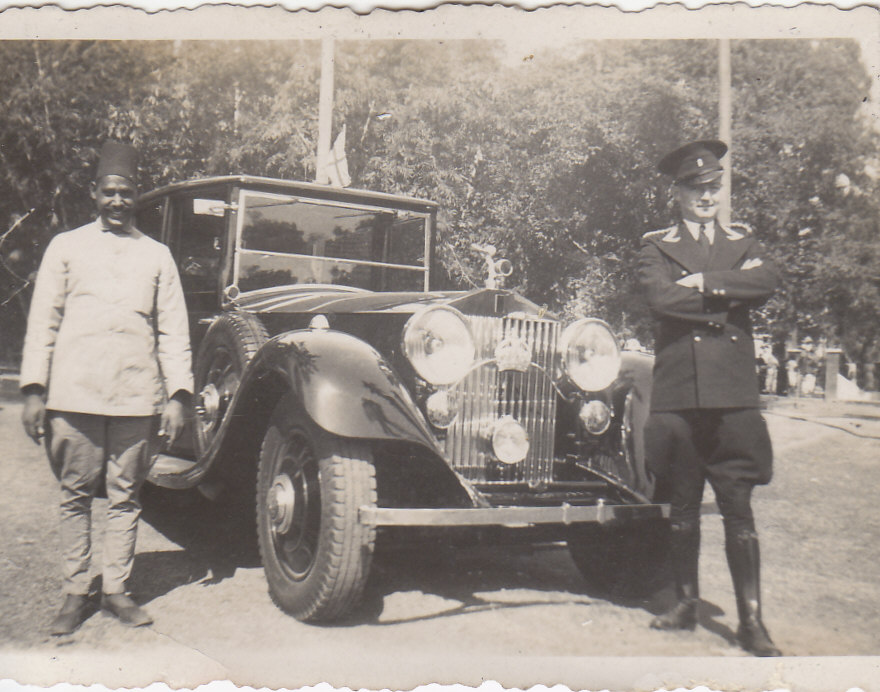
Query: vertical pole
point(325, 110)
point(724, 123)
point(832, 368)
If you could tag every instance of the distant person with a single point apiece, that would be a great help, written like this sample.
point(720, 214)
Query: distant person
point(107, 350)
point(771, 375)
point(794, 376)
point(700, 278)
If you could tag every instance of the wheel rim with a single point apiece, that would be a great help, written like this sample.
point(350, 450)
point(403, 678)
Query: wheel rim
point(221, 381)
point(293, 507)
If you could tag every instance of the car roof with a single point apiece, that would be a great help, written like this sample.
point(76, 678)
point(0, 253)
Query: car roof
point(279, 185)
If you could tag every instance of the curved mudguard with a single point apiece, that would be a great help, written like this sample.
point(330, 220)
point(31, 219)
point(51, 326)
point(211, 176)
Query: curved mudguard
point(344, 385)
point(636, 376)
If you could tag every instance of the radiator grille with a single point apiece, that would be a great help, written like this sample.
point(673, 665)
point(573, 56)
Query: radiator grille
point(487, 394)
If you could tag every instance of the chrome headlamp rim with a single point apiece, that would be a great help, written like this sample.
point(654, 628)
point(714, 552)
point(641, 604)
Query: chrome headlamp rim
point(408, 341)
point(598, 381)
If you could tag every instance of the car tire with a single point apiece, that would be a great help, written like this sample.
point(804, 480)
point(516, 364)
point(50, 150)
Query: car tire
point(310, 487)
point(624, 561)
point(230, 343)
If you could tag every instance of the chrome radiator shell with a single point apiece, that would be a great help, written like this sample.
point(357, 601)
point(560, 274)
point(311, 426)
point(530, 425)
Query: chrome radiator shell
point(488, 393)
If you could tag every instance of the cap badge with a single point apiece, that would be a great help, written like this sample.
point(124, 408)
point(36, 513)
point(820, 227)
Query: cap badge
point(699, 163)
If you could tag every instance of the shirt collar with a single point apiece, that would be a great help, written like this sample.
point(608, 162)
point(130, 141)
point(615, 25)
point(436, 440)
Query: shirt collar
point(694, 229)
point(122, 234)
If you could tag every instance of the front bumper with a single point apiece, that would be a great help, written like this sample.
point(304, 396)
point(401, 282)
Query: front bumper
point(512, 517)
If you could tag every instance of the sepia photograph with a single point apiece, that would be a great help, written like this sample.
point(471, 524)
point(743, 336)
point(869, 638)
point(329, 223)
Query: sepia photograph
point(577, 384)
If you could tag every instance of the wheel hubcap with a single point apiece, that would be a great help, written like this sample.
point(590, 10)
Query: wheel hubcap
point(280, 502)
point(209, 405)
point(220, 383)
point(293, 506)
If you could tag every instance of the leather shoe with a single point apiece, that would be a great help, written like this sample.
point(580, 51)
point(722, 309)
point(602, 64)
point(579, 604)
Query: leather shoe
point(73, 613)
point(754, 638)
point(125, 610)
point(682, 616)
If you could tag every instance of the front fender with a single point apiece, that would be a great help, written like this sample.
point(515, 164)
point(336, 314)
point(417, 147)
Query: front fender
point(345, 386)
point(636, 374)
point(634, 383)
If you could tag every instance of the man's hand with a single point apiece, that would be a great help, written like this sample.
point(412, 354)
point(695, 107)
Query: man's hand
point(33, 417)
point(172, 420)
point(692, 281)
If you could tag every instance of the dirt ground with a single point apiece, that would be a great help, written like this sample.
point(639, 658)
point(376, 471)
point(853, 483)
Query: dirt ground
point(518, 614)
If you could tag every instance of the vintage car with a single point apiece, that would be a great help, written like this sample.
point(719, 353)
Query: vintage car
point(348, 397)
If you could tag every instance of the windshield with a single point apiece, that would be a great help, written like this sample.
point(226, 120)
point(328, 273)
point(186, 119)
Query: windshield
point(285, 240)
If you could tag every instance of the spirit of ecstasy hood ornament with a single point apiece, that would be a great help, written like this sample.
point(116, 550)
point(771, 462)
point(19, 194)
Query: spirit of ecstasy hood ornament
point(496, 269)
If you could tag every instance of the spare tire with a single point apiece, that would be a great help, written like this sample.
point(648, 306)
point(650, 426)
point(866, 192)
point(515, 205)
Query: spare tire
point(230, 343)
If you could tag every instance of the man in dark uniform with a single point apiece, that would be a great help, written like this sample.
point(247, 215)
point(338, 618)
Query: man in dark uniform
point(700, 279)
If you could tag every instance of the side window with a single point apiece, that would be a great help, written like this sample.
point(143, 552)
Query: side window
point(149, 219)
point(200, 225)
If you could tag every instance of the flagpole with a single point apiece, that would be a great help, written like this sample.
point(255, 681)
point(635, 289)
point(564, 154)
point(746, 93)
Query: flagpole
point(325, 110)
point(725, 119)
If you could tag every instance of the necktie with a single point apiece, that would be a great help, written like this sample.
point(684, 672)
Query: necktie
point(703, 241)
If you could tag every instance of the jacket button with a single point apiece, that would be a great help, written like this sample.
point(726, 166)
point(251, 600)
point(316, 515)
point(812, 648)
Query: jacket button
point(734, 338)
point(684, 272)
point(698, 338)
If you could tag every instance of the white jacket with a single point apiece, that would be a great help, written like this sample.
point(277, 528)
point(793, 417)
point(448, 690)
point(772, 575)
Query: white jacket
point(107, 331)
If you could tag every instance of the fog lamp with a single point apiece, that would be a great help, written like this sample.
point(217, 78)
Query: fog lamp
point(509, 440)
point(596, 416)
point(441, 407)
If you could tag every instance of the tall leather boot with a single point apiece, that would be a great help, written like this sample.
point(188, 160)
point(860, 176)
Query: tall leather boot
point(743, 558)
point(685, 554)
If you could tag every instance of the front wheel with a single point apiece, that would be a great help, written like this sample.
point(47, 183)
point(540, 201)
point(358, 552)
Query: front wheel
point(310, 487)
point(625, 561)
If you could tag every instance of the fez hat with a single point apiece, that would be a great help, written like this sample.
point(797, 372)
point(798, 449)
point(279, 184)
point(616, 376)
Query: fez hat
point(117, 158)
point(695, 162)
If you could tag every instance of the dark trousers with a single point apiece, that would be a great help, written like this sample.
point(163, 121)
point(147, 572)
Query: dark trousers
point(728, 447)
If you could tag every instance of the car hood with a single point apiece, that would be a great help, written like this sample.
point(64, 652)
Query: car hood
point(341, 299)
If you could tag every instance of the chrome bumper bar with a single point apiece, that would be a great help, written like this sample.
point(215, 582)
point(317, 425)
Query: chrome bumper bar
point(511, 517)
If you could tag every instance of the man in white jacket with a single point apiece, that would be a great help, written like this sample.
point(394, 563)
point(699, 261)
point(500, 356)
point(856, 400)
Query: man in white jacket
point(106, 371)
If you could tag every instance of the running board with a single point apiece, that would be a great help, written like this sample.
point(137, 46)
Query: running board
point(173, 472)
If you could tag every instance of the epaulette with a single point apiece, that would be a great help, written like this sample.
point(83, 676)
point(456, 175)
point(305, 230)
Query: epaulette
point(662, 231)
point(739, 226)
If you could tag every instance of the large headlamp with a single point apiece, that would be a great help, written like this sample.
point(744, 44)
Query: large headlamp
point(439, 345)
point(590, 354)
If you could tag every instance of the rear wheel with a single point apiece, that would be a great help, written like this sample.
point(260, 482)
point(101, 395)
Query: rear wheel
point(310, 488)
point(230, 343)
point(626, 560)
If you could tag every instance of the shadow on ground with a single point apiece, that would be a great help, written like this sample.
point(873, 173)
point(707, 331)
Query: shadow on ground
point(216, 539)
point(471, 573)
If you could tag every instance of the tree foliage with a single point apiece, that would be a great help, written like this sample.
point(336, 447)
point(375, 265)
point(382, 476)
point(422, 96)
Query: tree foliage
point(550, 158)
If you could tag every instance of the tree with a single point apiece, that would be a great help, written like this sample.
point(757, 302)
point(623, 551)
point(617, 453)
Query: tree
point(551, 159)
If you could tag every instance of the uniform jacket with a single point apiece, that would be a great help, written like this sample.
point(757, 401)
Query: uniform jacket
point(705, 356)
point(107, 331)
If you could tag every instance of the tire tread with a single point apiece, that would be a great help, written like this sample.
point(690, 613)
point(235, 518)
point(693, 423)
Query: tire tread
point(339, 576)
